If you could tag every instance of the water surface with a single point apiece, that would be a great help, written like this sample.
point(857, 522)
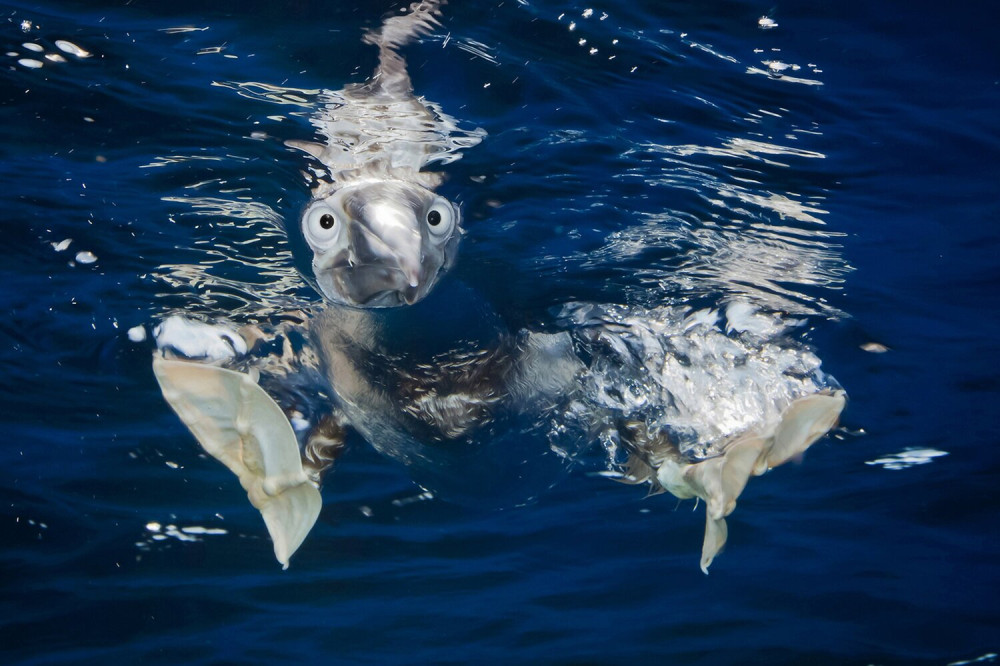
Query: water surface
point(839, 168)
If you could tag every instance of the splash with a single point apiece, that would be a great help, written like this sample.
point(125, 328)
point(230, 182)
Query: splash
point(702, 376)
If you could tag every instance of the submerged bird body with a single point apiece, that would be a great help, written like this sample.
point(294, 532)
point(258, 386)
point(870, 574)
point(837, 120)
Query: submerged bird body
point(440, 384)
point(423, 383)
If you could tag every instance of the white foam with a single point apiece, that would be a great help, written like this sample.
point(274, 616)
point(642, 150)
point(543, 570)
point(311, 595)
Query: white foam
point(743, 317)
point(988, 658)
point(682, 372)
point(422, 497)
point(137, 333)
point(197, 529)
point(72, 49)
point(907, 458)
point(196, 339)
point(188, 533)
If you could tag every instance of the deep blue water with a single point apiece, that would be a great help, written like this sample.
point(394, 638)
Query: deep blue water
point(857, 190)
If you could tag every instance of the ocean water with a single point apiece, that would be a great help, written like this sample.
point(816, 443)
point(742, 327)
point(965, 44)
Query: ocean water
point(835, 166)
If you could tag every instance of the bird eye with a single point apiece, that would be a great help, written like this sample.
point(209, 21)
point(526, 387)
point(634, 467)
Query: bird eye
point(320, 225)
point(441, 219)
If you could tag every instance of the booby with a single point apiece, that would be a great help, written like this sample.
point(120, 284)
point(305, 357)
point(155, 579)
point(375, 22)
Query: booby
point(417, 379)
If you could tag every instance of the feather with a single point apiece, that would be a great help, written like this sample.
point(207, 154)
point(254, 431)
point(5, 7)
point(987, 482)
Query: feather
point(721, 479)
point(236, 422)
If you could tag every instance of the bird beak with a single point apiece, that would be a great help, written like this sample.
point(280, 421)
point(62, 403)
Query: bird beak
point(382, 263)
point(392, 237)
